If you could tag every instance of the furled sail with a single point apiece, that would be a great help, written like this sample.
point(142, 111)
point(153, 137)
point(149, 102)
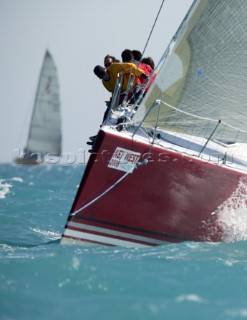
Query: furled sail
point(45, 128)
point(203, 74)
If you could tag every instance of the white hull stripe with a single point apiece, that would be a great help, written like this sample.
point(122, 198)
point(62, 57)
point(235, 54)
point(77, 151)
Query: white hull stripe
point(113, 233)
point(101, 239)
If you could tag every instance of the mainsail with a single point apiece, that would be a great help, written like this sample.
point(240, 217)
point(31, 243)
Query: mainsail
point(203, 73)
point(45, 128)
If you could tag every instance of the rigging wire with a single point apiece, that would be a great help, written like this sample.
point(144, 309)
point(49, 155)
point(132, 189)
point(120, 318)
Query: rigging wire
point(153, 27)
point(25, 125)
point(72, 214)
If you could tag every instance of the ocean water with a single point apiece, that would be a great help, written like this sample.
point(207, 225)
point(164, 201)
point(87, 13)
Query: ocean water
point(41, 279)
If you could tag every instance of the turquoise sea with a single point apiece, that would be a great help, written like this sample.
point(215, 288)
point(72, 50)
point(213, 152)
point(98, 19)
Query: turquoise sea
point(41, 279)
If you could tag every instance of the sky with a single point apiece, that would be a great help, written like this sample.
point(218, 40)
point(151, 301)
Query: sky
point(78, 34)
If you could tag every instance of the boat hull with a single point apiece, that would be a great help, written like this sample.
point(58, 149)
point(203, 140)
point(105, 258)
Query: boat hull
point(27, 161)
point(172, 197)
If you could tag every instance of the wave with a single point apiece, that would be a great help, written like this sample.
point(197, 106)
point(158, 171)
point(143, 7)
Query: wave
point(232, 214)
point(5, 186)
point(47, 234)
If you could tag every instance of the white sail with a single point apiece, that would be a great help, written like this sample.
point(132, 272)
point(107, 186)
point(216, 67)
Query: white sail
point(203, 72)
point(45, 128)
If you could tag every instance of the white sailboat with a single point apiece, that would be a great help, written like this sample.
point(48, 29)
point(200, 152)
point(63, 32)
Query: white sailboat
point(45, 135)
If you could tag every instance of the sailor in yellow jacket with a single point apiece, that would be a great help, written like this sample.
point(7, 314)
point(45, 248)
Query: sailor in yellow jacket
point(109, 76)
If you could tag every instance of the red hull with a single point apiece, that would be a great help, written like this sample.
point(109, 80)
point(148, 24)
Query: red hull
point(171, 199)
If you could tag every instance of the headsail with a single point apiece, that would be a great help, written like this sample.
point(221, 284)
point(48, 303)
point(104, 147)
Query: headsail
point(45, 128)
point(203, 72)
